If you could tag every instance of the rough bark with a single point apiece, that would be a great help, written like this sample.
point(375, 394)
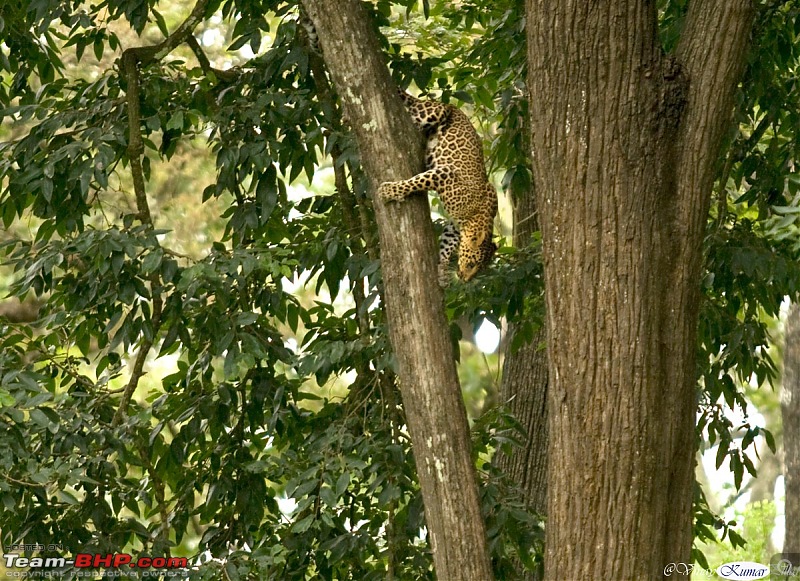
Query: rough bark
point(625, 141)
point(769, 469)
point(525, 387)
point(391, 150)
point(790, 410)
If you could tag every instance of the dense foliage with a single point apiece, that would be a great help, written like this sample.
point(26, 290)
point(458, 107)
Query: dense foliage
point(268, 437)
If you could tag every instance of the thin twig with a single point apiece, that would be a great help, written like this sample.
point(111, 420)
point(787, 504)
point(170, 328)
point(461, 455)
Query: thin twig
point(20, 482)
point(160, 492)
point(205, 64)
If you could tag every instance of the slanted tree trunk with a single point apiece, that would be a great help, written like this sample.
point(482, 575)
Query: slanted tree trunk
point(790, 410)
point(769, 469)
point(625, 141)
point(391, 150)
point(525, 386)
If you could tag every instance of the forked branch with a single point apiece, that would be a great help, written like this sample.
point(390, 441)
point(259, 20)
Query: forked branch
point(132, 60)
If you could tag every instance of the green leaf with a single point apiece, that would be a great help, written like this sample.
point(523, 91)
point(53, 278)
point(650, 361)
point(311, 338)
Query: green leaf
point(342, 483)
point(303, 524)
point(99, 46)
point(328, 496)
point(176, 121)
point(738, 470)
point(39, 417)
point(83, 341)
point(6, 399)
point(231, 572)
point(160, 22)
point(244, 319)
point(722, 451)
point(67, 498)
point(151, 262)
point(267, 194)
point(47, 189)
point(770, 440)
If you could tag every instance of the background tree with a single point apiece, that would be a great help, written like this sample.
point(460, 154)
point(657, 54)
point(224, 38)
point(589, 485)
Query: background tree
point(790, 407)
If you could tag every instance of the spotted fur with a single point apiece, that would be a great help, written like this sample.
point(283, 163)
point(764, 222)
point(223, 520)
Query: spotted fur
point(310, 30)
point(455, 170)
point(448, 243)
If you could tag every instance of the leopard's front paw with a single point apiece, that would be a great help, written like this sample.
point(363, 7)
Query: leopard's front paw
point(387, 192)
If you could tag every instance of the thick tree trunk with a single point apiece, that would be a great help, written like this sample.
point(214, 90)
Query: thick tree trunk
point(625, 141)
point(391, 150)
point(790, 410)
point(525, 387)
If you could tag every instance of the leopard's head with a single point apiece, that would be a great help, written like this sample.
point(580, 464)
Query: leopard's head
point(470, 262)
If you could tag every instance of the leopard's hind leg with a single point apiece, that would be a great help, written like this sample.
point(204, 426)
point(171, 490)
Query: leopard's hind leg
point(448, 243)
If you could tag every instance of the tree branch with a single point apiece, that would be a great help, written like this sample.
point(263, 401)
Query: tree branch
point(130, 69)
point(159, 489)
point(712, 55)
point(131, 60)
point(205, 64)
point(145, 55)
point(141, 356)
point(711, 52)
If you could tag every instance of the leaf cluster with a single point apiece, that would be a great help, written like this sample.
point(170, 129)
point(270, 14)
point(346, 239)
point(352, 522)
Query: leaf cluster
point(751, 248)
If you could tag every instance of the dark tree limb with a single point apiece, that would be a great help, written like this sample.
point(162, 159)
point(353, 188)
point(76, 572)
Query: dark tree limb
point(131, 61)
point(525, 386)
point(205, 64)
point(391, 149)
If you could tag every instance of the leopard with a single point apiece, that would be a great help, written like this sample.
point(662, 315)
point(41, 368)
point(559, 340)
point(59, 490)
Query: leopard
point(455, 169)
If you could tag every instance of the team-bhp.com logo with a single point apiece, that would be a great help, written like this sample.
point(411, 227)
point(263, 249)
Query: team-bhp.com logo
point(742, 571)
point(94, 561)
